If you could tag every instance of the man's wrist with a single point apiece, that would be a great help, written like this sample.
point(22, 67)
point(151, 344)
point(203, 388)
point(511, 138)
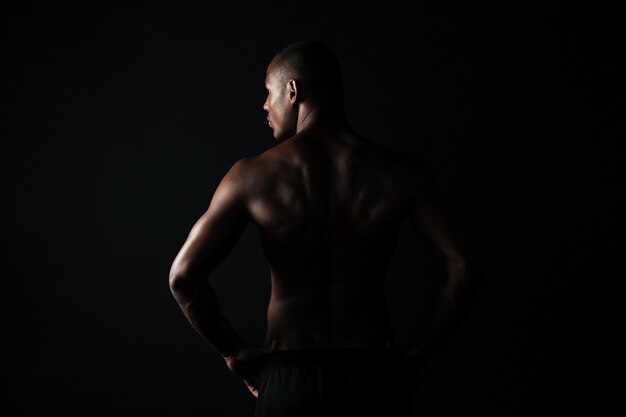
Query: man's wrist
point(419, 352)
point(234, 348)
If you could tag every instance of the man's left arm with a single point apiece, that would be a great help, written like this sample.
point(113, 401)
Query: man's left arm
point(210, 241)
point(434, 220)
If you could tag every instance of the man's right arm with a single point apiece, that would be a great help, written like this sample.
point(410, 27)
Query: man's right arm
point(433, 220)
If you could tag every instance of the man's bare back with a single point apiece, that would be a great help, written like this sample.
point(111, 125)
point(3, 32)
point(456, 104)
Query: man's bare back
point(328, 209)
point(328, 204)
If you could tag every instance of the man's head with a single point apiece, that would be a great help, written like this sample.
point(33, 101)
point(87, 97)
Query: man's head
point(304, 73)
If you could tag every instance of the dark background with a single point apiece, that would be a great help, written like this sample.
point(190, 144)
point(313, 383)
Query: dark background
point(119, 122)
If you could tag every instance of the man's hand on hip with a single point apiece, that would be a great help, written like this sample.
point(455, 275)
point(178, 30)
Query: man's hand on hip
point(245, 363)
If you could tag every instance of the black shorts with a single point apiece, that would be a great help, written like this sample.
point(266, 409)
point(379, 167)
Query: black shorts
point(334, 382)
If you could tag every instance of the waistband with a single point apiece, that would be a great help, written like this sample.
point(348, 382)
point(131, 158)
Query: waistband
point(330, 355)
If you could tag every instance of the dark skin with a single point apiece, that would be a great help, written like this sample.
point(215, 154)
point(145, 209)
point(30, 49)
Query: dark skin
point(328, 204)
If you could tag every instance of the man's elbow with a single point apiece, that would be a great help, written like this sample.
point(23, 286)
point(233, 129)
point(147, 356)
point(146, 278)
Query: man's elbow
point(467, 269)
point(175, 275)
point(176, 282)
point(179, 282)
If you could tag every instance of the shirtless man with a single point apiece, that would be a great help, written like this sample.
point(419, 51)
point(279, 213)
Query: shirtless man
point(328, 204)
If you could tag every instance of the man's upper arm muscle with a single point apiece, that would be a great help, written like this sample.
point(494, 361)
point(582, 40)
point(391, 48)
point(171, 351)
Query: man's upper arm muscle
point(434, 220)
point(216, 232)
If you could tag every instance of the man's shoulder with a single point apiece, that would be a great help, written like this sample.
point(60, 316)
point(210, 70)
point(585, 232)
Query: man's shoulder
point(258, 164)
point(411, 168)
point(250, 172)
point(394, 155)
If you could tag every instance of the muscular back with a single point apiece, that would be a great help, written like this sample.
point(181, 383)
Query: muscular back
point(329, 209)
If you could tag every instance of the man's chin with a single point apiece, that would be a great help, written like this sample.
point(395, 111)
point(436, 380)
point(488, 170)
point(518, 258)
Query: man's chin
point(282, 136)
point(278, 136)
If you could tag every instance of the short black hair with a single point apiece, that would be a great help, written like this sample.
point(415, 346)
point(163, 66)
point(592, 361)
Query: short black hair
point(315, 65)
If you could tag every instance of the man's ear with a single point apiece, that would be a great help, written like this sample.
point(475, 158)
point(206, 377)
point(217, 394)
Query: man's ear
point(293, 90)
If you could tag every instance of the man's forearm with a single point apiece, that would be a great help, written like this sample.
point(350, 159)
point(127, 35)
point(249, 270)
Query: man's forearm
point(452, 309)
point(201, 308)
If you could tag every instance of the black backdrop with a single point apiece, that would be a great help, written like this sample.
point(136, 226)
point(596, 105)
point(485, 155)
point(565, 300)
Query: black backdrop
point(118, 122)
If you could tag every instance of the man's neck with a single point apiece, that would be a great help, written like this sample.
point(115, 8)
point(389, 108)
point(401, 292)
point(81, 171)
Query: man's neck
point(310, 118)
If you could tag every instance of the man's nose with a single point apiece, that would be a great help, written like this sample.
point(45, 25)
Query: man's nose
point(265, 106)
